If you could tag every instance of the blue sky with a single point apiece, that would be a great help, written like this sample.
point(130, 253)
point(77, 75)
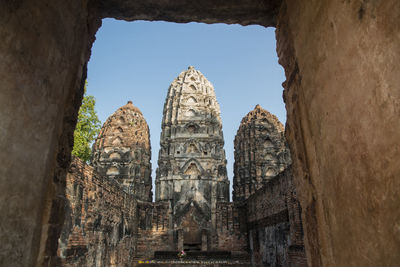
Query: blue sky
point(138, 60)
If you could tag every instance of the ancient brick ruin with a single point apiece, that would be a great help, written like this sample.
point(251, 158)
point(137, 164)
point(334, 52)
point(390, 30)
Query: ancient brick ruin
point(122, 151)
point(274, 225)
point(341, 95)
point(111, 219)
point(100, 220)
point(263, 182)
point(260, 152)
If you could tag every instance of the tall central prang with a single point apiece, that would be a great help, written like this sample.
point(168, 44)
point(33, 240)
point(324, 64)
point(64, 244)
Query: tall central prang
point(192, 165)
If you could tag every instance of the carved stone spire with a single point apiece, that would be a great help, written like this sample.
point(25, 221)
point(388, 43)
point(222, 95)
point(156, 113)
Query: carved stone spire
point(260, 152)
point(122, 151)
point(191, 164)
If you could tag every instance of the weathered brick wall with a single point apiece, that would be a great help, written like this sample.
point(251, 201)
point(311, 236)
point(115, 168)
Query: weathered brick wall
point(274, 224)
point(230, 228)
point(154, 229)
point(100, 222)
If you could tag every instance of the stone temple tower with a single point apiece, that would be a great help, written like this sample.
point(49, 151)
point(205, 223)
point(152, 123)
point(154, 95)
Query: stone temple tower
point(192, 165)
point(261, 152)
point(122, 151)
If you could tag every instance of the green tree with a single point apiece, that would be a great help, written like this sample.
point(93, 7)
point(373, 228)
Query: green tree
point(87, 128)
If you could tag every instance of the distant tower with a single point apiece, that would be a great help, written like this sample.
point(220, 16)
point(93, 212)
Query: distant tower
point(260, 152)
point(122, 151)
point(191, 170)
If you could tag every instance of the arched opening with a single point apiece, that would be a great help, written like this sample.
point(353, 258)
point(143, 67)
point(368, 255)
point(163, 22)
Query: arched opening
point(112, 171)
point(190, 113)
point(237, 75)
point(191, 235)
point(115, 155)
point(192, 170)
point(192, 100)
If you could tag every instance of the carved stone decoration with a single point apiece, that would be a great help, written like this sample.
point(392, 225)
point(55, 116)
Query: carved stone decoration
point(261, 152)
point(196, 176)
point(122, 151)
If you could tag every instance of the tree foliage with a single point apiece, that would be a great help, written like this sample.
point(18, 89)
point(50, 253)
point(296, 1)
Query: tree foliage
point(87, 128)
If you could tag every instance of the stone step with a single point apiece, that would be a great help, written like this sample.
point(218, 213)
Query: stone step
point(197, 258)
point(193, 255)
point(194, 263)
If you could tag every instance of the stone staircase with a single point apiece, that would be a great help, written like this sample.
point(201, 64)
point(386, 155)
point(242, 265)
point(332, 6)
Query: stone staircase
point(196, 259)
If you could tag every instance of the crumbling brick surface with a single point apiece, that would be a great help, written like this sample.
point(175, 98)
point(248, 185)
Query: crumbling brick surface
point(274, 224)
point(122, 151)
point(100, 223)
point(260, 152)
point(154, 231)
point(231, 228)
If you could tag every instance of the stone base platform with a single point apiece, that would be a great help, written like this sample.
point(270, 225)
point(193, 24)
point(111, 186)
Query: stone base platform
point(193, 255)
point(197, 258)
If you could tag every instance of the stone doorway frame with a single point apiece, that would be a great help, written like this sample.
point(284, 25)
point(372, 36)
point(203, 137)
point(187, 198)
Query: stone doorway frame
point(341, 65)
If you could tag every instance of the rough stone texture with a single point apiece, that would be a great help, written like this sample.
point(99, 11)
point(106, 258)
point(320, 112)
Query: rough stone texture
point(191, 170)
point(101, 220)
point(244, 12)
point(343, 106)
point(260, 152)
point(43, 53)
point(274, 224)
point(122, 151)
